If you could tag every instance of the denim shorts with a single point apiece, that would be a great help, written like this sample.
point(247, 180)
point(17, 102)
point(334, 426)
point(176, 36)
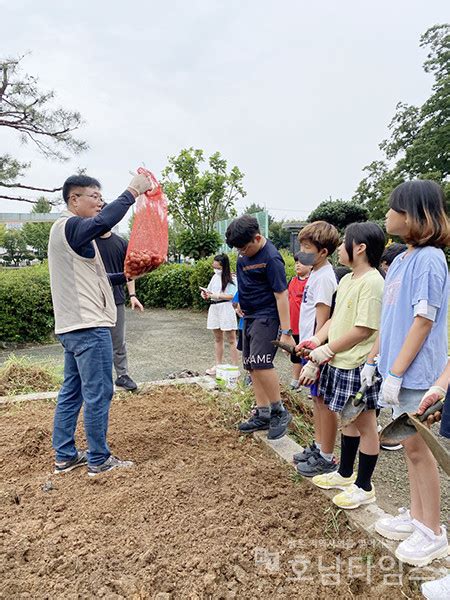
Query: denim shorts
point(409, 401)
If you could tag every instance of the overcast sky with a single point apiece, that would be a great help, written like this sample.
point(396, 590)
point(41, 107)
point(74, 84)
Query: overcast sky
point(297, 94)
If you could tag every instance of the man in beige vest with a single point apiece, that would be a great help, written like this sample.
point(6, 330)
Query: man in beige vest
point(85, 311)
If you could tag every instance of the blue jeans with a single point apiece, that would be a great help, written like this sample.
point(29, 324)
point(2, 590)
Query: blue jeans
point(88, 359)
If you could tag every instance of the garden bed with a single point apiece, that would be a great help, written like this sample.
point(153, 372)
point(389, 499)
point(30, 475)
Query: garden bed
point(203, 514)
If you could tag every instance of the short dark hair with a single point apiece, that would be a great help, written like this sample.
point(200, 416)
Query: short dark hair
point(391, 252)
point(367, 233)
point(78, 181)
point(321, 234)
point(423, 201)
point(241, 231)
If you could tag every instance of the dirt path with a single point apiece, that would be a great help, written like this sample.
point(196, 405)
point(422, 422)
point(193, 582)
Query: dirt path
point(203, 514)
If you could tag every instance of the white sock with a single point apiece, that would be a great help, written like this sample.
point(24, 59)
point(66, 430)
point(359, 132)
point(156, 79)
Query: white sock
point(326, 455)
point(317, 445)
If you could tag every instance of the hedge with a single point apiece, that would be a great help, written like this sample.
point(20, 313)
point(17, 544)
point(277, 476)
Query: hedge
point(168, 287)
point(26, 313)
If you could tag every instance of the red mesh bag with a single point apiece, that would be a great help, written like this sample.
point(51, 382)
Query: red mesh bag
point(149, 239)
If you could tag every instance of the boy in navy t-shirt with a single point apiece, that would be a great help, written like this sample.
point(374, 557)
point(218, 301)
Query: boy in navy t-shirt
point(263, 299)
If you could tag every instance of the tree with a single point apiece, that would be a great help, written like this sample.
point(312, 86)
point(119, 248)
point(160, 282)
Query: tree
point(15, 246)
point(36, 234)
point(373, 191)
point(28, 110)
point(419, 142)
point(175, 230)
point(339, 213)
point(197, 199)
point(2, 234)
point(420, 136)
point(253, 208)
point(281, 238)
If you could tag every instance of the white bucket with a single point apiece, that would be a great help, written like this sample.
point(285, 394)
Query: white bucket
point(227, 376)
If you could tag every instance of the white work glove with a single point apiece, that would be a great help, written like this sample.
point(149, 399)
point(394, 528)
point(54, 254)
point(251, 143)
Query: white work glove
point(430, 397)
point(309, 344)
point(309, 374)
point(321, 354)
point(140, 184)
point(390, 389)
point(368, 374)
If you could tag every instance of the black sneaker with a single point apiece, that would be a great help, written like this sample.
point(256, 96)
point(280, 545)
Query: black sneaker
point(317, 465)
point(307, 452)
point(279, 421)
point(125, 382)
point(110, 463)
point(68, 465)
point(255, 423)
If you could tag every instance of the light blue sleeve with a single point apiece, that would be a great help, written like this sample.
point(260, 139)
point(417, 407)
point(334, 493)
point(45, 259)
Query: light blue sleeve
point(231, 289)
point(430, 284)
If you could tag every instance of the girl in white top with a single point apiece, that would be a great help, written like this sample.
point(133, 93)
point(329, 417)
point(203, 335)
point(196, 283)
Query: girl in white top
point(221, 314)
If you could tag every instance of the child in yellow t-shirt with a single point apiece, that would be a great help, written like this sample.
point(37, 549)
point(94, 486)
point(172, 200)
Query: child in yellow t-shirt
point(351, 332)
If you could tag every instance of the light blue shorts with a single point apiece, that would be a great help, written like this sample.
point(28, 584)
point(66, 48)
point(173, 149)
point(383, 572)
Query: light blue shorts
point(409, 401)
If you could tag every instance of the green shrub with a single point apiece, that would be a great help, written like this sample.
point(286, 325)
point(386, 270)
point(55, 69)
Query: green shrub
point(26, 312)
point(200, 277)
point(289, 264)
point(167, 287)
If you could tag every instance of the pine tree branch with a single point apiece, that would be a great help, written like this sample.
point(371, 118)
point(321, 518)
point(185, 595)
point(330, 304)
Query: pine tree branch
point(22, 199)
point(29, 187)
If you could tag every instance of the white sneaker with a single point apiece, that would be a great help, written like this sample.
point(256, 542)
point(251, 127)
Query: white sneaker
point(354, 497)
point(329, 481)
point(391, 447)
point(437, 590)
point(396, 528)
point(423, 546)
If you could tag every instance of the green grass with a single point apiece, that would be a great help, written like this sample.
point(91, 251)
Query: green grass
point(21, 375)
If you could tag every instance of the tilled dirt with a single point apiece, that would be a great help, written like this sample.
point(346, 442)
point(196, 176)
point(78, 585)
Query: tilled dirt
point(203, 514)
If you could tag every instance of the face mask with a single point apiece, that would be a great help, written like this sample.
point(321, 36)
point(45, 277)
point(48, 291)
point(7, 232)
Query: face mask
point(307, 258)
point(218, 272)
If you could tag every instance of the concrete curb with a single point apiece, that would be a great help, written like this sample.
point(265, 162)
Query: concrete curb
point(203, 381)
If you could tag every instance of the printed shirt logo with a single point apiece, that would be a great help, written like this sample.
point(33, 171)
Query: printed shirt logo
point(391, 292)
point(251, 267)
point(305, 294)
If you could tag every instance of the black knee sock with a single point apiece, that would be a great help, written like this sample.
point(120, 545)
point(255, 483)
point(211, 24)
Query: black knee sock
point(349, 448)
point(366, 468)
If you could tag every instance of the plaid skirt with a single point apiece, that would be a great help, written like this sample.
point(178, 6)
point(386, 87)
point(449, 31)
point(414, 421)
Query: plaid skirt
point(337, 385)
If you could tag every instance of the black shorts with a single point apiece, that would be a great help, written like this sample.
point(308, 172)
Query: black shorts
point(239, 340)
point(296, 359)
point(257, 350)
